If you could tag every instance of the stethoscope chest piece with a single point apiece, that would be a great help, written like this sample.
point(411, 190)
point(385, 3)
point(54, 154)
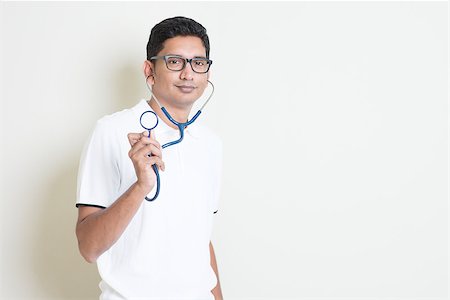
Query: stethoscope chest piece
point(149, 120)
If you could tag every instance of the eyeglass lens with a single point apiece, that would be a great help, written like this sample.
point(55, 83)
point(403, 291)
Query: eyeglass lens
point(199, 65)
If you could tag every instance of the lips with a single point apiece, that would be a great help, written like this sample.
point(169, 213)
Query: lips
point(185, 88)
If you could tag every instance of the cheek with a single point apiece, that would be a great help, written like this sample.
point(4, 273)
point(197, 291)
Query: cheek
point(202, 87)
point(163, 84)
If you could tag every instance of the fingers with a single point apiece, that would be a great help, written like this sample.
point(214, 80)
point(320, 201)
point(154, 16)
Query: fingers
point(150, 148)
point(135, 137)
point(151, 140)
point(145, 160)
point(139, 149)
point(146, 151)
point(158, 161)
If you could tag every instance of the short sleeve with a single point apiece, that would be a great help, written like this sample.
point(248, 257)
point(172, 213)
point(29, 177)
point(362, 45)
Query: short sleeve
point(98, 175)
point(218, 177)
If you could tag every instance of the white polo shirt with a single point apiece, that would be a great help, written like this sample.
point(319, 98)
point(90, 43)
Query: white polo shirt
point(164, 252)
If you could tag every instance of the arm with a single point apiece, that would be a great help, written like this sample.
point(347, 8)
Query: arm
point(217, 291)
point(98, 229)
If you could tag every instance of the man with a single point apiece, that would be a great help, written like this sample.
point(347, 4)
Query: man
point(159, 249)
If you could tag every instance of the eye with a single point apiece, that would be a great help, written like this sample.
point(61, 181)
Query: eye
point(200, 62)
point(174, 60)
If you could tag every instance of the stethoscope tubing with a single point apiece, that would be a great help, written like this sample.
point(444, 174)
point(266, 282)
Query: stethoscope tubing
point(181, 127)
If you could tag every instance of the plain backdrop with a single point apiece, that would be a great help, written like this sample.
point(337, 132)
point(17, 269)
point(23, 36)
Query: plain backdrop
point(334, 118)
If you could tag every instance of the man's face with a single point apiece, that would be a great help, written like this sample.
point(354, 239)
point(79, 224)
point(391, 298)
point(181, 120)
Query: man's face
point(178, 88)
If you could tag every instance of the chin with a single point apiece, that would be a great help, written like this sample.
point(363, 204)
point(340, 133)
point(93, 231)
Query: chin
point(187, 99)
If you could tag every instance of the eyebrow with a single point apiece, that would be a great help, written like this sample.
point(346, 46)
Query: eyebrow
point(183, 56)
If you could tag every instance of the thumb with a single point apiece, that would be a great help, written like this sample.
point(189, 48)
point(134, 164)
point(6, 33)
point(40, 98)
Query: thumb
point(151, 135)
point(145, 133)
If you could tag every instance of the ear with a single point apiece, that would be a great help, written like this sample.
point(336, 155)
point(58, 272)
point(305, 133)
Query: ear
point(149, 70)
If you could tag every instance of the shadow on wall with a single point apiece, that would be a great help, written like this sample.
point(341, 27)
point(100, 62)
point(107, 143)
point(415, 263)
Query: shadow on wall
point(59, 269)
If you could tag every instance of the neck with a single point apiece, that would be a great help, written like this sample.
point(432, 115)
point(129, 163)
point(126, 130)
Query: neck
point(179, 114)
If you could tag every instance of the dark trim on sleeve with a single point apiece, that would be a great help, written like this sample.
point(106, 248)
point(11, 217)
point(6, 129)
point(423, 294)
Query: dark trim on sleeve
point(215, 211)
point(83, 204)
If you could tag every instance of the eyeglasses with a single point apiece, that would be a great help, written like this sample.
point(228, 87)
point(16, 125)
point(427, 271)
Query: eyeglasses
point(178, 63)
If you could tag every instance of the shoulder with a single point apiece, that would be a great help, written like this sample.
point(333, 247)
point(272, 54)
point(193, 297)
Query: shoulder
point(116, 119)
point(120, 120)
point(110, 131)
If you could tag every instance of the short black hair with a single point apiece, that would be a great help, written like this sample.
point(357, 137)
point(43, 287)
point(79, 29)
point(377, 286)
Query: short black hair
point(172, 27)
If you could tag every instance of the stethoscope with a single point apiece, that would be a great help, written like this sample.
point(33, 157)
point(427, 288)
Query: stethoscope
point(150, 125)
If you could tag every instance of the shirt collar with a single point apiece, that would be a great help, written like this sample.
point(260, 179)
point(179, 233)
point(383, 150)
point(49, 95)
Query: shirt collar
point(162, 128)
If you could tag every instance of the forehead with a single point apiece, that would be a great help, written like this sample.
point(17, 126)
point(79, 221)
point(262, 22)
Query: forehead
point(187, 46)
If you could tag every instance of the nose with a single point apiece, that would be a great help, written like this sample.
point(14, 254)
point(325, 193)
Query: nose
point(187, 73)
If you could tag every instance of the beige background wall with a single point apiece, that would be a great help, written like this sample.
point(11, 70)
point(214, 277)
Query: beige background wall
point(335, 123)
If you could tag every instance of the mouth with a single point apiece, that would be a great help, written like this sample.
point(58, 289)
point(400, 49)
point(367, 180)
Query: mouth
point(186, 88)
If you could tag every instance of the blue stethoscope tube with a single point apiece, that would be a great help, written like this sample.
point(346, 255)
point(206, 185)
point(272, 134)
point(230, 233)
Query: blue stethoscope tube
point(155, 168)
point(181, 128)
